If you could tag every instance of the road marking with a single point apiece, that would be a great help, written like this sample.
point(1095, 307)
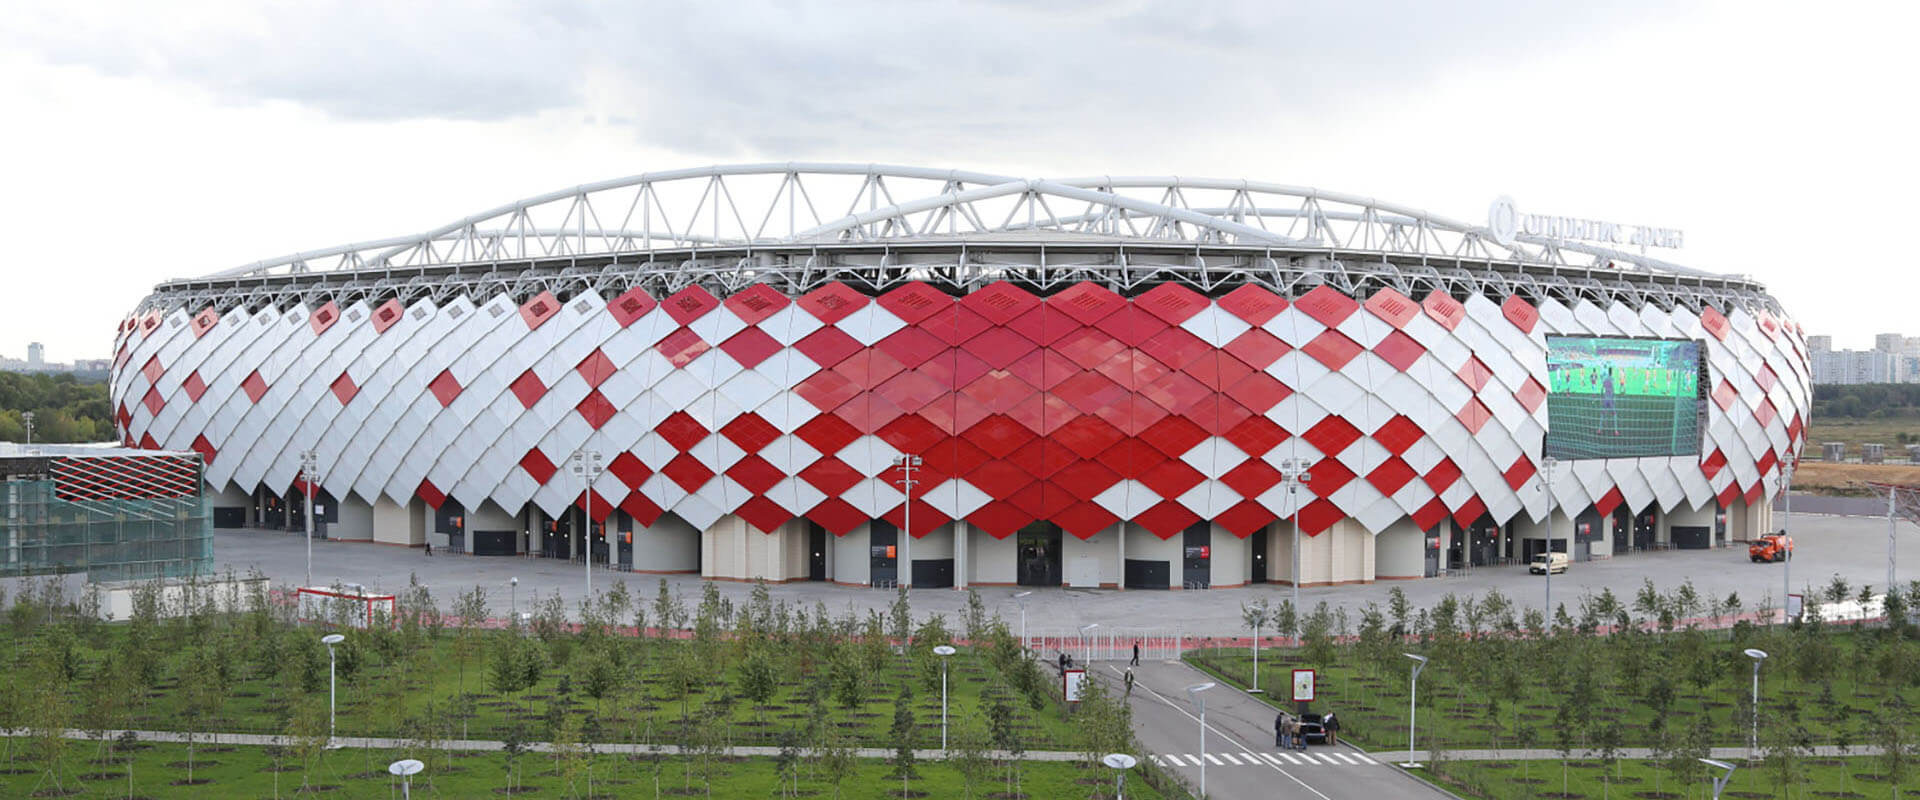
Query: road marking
point(1311, 760)
point(1289, 758)
point(1212, 758)
point(1270, 758)
point(1170, 704)
point(1363, 757)
point(1230, 759)
point(1250, 759)
point(1347, 758)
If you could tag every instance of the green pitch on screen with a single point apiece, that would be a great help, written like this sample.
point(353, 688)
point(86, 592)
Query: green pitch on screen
point(1613, 397)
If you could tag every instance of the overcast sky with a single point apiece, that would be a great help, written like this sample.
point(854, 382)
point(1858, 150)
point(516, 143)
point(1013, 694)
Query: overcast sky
point(145, 141)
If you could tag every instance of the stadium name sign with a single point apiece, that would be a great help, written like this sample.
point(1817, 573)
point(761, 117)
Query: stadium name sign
point(1505, 221)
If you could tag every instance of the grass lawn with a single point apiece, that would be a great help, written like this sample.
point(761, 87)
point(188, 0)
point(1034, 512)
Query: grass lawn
point(1856, 431)
point(89, 769)
point(1835, 777)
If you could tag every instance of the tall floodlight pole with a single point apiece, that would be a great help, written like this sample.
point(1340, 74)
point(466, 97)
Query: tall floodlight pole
point(1413, 696)
point(1549, 466)
point(26, 418)
point(1753, 744)
point(309, 471)
point(1893, 496)
point(907, 466)
point(1200, 704)
point(330, 640)
point(1293, 473)
point(587, 464)
point(943, 651)
point(1019, 599)
point(1786, 527)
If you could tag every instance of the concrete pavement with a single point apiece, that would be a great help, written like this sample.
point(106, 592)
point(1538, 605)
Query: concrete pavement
point(1240, 760)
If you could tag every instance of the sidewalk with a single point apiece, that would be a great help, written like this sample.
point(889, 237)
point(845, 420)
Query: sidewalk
point(617, 748)
point(1584, 754)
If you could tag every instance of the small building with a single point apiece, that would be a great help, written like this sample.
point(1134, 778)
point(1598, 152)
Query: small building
point(112, 513)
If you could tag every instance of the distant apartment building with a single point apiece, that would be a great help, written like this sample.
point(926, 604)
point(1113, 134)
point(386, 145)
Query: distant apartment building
point(36, 361)
point(1895, 358)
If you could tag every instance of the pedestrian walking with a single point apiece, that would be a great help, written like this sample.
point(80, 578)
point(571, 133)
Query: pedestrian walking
point(429, 549)
point(1332, 724)
point(1136, 654)
point(1280, 730)
point(1299, 742)
point(1129, 680)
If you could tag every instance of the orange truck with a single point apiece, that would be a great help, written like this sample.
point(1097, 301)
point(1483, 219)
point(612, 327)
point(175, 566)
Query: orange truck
point(1770, 547)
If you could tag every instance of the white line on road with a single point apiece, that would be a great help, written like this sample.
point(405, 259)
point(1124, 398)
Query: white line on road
point(1347, 758)
point(1230, 759)
point(1170, 704)
point(1167, 760)
point(1212, 758)
point(1250, 759)
point(1363, 757)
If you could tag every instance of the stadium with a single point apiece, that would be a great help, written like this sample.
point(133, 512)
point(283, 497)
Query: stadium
point(870, 374)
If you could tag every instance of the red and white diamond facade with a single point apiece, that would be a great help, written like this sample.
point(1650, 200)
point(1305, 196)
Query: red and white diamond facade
point(1122, 414)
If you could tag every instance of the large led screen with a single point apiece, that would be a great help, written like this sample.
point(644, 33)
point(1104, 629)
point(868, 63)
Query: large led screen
point(1615, 397)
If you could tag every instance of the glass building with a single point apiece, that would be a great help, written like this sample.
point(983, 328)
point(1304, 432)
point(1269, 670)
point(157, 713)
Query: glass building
point(112, 513)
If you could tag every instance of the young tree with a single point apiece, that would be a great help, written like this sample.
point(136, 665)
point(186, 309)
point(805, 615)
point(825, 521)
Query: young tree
point(902, 733)
point(968, 753)
point(758, 680)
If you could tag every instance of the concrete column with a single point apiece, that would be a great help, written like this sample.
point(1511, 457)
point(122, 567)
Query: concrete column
point(395, 523)
point(356, 520)
point(1400, 552)
point(1231, 562)
point(1120, 552)
point(1142, 545)
point(850, 559)
point(962, 553)
point(669, 546)
point(1092, 562)
point(1685, 517)
point(992, 560)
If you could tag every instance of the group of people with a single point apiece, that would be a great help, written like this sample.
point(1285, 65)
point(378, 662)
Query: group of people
point(1288, 734)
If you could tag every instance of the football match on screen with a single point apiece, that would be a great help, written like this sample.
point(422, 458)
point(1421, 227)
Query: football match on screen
point(1612, 397)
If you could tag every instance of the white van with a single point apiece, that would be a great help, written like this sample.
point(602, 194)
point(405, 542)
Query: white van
point(1548, 562)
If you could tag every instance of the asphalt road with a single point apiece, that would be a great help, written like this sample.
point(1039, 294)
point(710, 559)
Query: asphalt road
point(1241, 761)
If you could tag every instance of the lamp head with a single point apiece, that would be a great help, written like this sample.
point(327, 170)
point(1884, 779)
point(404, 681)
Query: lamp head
point(1119, 760)
point(332, 639)
point(1019, 595)
point(513, 581)
point(1200, 687)
point(1756, 655)
point(1716, 764)
point(1419, 658)
point(406, 766)
point(944, 650)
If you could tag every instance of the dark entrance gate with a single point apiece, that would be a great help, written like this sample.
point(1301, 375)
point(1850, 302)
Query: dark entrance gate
point(1197, 556)
point(1259, 542)
point(816, 552)
point(1644, 527)
point(1038, 550)
point(883, 559)
point(1622, 530)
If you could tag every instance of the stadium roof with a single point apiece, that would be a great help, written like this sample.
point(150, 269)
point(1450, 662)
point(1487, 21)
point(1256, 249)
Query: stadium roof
point(796, 225)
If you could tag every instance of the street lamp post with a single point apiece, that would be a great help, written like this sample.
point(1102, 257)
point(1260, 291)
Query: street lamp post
point(1019, 600)
point(907, 466)
point(406, 768)
point(587, 464)
point(513, 597)
point(1413, 696)
point(1753, 744)
point(1200, 704)
point(26, 418)
point(1120, 762)
point(1719, 781)
point(309, 471)
point(943, 651)
point(1258, 613)
point(1786, 527)
point(1549, 466)
point(330, 640)
point(1293, 473)
point(1084, 648)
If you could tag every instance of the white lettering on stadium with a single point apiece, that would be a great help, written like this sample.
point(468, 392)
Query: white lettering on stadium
point(1504, 221)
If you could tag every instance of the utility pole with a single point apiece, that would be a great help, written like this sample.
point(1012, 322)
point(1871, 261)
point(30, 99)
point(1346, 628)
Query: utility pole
point(586, 464)
point(309, 474)
point(26, 418)
point(1786, 568)
point(907, 466)
point(1294, 474)
point(1549, 466)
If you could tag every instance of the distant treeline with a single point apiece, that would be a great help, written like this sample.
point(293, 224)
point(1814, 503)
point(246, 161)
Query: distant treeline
point(65, 409)
point(1867, 401)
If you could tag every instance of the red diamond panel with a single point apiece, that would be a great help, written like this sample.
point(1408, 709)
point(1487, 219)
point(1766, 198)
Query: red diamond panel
point(1724, 395)
point(1400, 350)
point(153, 370)
point(954, 368)
point(1258, 392)
point(1430, 514)
point(147, 442)
point(1329, 475)
point(1254, 305)
point(1474, 415)
point(868, 412)
point(596, 368)
point(689, 304)
point(153, 401)
point(537, 465)
point(204, 448)
point(1087, 436)
point(256, 387)
point(1713, 464)
point(1041, 458)
point(1132, 325)
point(826, 390)
point(1531, 395)
point(1085, 479)
point(832, 302)
point(1245, 518)
point(1391, 475)
point(1089, 347)
point(999, 347)
point(915, 302)
point(999, 392)
point(999, 519)
point(754, 473)
point(444, 387)
point(1442, 475)
point(1398, 434)
point(601, 507)
point(1167, 519)
point(1044, 325)
point(926, 518)
point(1043, 368)
point(751, 346)
point(1393, 308)
point(1257, 348)
point(1218, 372)
point(194, 387)
point(836, 515)
point(954, 413)
point(1520, 312)
point(528, 389)
point(631, 306)
point(682, 346)
point(1715, 323)
point(1470, 511)
point(1608, 502)
point(1252, 477)
point(595, 409)
point(1087, 303)
point(1444, 309)
point(687, 471)
point(912, 346)
point(630, 470)
point(1175, 392)
point(1170, 478)
point(682, 431)
point(956, 325)
point(954, 456)
point(1765, 413)
point(431, 494)
point(763, 514)
point(1175, 347)
point(1256, 435)
point(1474, 374)
point(1219, 416)
point(750, 432)
point(999, 479)
point(1172, 302)
point(827, 434)
point(911, 434)
point(1085, 520)
point(1131, 368)
point(756, 303)
point(540, 309)
point(1316, 517)
point(1000, 302)
point(1519, 473)
point(206, 319)
point(324, 317)
point(831, 475)
point(1173, 436)
point(386, 315)
point(1131, 457)
point(1091, 393)
point(911, 390)
point(1332, 435)
point(344, 388)
point(1327, 305)
point(1766, 378)
point(1332, 348)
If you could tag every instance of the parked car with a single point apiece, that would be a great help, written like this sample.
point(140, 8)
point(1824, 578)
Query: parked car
point(1770, 547)
point(1545, 562)
point(1313, 729)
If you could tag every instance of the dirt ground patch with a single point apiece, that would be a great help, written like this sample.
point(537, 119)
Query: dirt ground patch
point(1824, 478)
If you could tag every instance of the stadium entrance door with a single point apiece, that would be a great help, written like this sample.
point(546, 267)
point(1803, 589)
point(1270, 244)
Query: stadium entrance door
point(1038, 548)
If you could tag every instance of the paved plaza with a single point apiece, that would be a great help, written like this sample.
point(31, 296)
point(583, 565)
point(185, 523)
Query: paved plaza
point(1852, 547)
